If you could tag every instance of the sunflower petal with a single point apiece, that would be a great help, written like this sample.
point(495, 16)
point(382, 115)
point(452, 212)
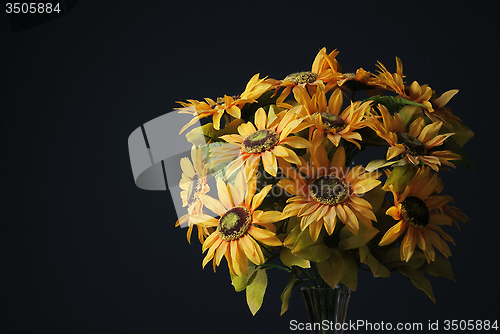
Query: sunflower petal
point(270, 163)
point(223, 193)
point(260, 119)
point(269, 217)
point(393, 233)
point(257, 199)
point(213, 205)
point(265, 236)
point(187, 167)
point(338, 159)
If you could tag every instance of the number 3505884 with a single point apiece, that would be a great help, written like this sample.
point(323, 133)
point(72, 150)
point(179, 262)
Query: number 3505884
point(32, 8)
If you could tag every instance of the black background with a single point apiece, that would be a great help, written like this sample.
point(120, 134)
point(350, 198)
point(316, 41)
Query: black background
point(83, 250)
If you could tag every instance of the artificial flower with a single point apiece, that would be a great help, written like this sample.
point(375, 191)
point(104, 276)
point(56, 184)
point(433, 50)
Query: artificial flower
point(325, 190)
point(361, 80)
point(323, 71)
point(418, 218)
point(264, 139)
point(417, 144)
point(440, 112)
point(394, 82)
point(229, 104)
point(239, 231)
point(193, 184)
point(326, 118)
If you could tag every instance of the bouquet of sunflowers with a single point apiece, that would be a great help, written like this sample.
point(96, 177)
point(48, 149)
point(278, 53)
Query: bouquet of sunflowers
point(271, 181)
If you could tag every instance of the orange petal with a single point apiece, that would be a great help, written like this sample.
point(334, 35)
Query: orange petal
point(393, 212)
point(270, 163)
point(338, 159)
point(330, 220)
point(257, 199)
point(314, 230)
point(269, 217)
point(213, 205)
point(187, 167)
point(260, 119)
point(234, 111)
point(264, 236)
point(223, 193)
point(393, 233)
point(221, 251)
point(296, 141)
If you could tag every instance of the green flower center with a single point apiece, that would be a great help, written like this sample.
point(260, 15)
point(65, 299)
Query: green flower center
point(330, 121)
point(301, 77)
point(234, 223)
point(329, 190)
point(260, 141)
point(412, 145)
point(415, 212)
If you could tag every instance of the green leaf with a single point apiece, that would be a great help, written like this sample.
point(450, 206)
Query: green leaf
point(400, 177)
point(380, 163)
point(289, 259)
point(377, 268)
point(375, 197)
point(240, 282)
point(332, 269)
point(418, 280)
point(392, 255)
point(392, 259)
point(440, 267)
point(351, 241)
point(350, 276)
point(452, 145)
point(292, 236)
point(256, 289)
point(410, 112)
point(392, 103)
point(287, 292)
point(208, 134)
point(309, 250)
point(370, 138)
point(265, 100)
point(462, 133)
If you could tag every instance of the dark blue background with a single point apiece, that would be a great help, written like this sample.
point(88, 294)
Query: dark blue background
point(83, 250)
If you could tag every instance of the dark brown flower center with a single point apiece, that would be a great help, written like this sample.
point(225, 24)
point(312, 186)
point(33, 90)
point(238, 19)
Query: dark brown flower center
point(221, 101)
point(260, 141)
point(330, 121)
point(234, 223)
point(415, 212)
point(301, 77)
point(412, 145)
point(354, 84)
point(329, 190)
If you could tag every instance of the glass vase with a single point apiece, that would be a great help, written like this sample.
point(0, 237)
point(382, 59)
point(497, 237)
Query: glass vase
point(327, 308)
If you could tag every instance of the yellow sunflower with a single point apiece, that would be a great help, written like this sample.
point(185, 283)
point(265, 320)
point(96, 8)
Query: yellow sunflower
point(417, 144)
point(361, 80)
point(417, 213)
point(325, 190)
point(326, 118)
point(389, 81)
point(193, 184)
point(239, 227)
point(230, 104)
point(266, 139)
point(440, 112)
point(324, 71)
point(394, 82)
